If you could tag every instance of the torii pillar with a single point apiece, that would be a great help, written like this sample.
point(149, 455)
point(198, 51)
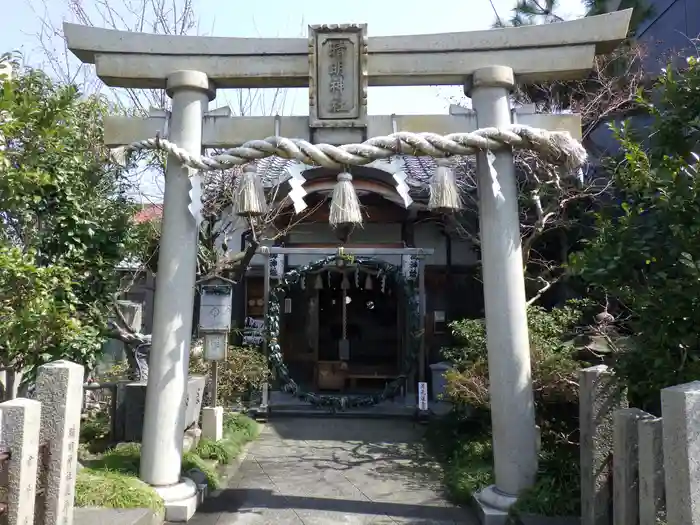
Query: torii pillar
point(164, 416)
point(514, 432)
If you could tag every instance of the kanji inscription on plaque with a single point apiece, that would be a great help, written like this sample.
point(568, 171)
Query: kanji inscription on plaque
point(338, 78)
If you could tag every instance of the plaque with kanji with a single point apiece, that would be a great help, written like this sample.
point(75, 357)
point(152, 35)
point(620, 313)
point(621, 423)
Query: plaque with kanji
point(338, 76)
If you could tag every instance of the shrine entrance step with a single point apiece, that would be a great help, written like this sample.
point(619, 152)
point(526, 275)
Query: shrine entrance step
point(283, 404)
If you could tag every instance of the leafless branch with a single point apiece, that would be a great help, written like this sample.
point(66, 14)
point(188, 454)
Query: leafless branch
point(548, 196)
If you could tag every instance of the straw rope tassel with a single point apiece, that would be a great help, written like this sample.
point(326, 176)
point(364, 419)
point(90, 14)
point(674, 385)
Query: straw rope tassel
point(345, 206)
point(444, 192)
point(249, 199)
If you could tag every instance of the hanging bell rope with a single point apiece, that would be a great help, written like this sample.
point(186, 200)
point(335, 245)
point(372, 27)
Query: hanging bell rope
point(249, 198)
point(345, 206)
point(345, 315)
point(444, 192)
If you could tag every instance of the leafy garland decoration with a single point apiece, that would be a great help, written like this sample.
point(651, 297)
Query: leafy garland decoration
point(335, 402)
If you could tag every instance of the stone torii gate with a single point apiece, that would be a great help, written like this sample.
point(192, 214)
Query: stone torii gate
point(488, 64)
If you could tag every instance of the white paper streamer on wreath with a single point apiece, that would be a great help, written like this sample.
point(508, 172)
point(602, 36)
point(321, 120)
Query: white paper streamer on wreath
point(495, 185)
point(404, 266)
point(195, 205)
point(409, 267)
point(272, 259)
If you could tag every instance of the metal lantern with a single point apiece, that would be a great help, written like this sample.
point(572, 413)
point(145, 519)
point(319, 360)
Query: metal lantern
point(216, 298)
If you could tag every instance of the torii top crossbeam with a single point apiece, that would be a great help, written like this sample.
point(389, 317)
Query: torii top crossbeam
point(558, 51)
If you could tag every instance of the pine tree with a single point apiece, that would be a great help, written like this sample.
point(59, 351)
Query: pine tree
point(532, 12)
point(642, 9)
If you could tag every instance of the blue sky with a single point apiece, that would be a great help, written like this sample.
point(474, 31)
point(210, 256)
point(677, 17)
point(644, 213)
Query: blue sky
point(280, 18)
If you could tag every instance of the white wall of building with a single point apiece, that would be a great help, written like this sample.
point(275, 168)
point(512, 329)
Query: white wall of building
point(429, 235)
point(426, 235)
point(371, 233)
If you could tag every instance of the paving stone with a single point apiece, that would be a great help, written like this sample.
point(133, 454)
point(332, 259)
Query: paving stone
point(321, 472)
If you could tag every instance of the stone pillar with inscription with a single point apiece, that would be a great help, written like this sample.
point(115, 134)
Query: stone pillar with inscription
point(59, 389)
point(19, 433)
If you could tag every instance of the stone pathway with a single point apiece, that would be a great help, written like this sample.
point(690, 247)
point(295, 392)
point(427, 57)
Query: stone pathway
point(325, 471)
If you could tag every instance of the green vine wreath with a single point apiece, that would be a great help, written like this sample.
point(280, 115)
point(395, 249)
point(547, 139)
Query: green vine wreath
point(334, 402)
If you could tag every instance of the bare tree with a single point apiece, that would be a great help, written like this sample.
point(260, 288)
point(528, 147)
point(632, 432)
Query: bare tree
point(163, 17)
point(166, 17)
point(551, 202)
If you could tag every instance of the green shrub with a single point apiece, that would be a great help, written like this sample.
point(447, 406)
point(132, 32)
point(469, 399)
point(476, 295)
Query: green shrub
point(557, 491)
point(95, 427)
point(463, 446)
point(221, 451)
point(124, 458)
point(646, 256)
point(238, 430)
point(469, 465)
point(190, 460)
point(553, 360)
point(110, 479)
point(242, 425)
point(243, 372)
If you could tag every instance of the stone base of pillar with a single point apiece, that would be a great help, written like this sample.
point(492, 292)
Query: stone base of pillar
point(492, 506)
point(180, 500)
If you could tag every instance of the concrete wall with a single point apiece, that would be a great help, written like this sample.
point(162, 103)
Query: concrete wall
point(141, 291)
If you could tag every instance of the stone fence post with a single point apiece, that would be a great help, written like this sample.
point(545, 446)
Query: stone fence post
point(652, 497)
point(600, 396)
point(680, 408)
point(19, 435)
point(626, 465)
point(59, 389)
